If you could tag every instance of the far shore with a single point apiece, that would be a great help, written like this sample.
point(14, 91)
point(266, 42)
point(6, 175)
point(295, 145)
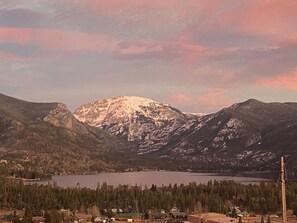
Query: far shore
point(270, 176)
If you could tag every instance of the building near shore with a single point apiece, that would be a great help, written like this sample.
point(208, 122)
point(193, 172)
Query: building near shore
point(211, 218)
point(128, 217)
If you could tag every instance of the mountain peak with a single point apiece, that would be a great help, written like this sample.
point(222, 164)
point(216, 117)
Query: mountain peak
point(133, 98)
point(250, 103)
point(28, 109)
point(124, 107)
point(131, 102)
point(134, 118)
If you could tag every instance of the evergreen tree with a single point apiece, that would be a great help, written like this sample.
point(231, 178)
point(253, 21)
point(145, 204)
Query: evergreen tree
point(95, 211)
point(240, 220)
point(28, 216)
point(15, 218)
point(53, 217)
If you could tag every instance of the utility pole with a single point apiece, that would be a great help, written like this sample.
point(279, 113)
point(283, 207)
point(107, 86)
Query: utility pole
point(283, 191)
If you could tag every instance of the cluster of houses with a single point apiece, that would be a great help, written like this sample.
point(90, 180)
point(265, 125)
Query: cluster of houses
point(118, 215)
point(111, 215)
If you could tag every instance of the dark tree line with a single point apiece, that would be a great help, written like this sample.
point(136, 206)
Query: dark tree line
point(214, 196)
point(22, 173)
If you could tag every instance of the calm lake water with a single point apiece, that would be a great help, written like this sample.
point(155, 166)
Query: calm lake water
point(142, 178)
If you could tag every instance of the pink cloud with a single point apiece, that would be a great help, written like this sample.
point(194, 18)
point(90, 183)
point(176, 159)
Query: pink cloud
point(10, 57)
point(138, 49)
point(287, 81)
point(153, 13)
point(165, 51)
point(214, 99)
point(269, 18)
point(54, 39)
point(180, 98)
point(145, 5)
point(209, 101)
point(182, 51)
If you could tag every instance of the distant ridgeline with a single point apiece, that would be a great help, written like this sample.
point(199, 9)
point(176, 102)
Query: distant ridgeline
point(132, 133)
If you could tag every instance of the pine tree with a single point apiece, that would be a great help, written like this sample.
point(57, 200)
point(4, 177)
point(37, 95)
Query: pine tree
point(28, 216)
point(240, 220)
point(15, 218)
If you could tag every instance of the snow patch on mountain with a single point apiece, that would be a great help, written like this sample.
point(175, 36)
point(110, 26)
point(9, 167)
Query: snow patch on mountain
point(124, 108)
point(198, 114)
point(140, 120)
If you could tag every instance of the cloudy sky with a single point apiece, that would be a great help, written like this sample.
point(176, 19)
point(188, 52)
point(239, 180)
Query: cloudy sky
point(196, 55)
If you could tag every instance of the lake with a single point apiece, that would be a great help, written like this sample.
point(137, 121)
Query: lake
point(148, 178)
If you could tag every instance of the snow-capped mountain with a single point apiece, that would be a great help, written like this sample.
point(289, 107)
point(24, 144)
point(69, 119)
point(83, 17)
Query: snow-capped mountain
point(143, 133)
point(244, 135)
point(143, 121)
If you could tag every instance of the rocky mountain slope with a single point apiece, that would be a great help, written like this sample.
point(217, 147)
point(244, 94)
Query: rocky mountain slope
point(131, 132)
point(248, 135)
point(144, 122)
point(45, 137)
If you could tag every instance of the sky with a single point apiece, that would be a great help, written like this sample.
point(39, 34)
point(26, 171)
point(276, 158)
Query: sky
point(196, 55)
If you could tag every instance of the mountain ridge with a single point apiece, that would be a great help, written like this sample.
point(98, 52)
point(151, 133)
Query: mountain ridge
point(231, 137)
point(141, 133)
point(133, 118)
point(47, 138)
